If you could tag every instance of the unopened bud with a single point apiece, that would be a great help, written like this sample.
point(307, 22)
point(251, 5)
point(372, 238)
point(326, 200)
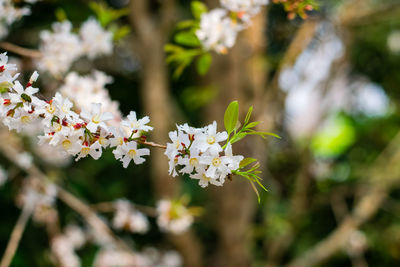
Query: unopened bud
point(191, 137)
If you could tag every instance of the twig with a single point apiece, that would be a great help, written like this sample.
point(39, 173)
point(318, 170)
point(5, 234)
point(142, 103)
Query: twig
point(17, 234)
point(153, 144)
point(382, 176)
point(20, 50)
point(110, 207)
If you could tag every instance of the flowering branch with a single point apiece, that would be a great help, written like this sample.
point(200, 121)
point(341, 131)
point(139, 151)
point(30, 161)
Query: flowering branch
point(73, 202)
point(152, 144)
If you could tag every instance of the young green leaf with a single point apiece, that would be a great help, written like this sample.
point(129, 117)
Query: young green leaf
point(263, 134)
point(198, 8)
point(170, 48)
point(187, 38)
point(121, 32)
point(246, 162)
point(231, 116)
point(186, 24)
point(246, 120)
point(61, 15)
point(181, 67)
point(252, 124)
point(237, 137)
point(204, 63)
point(255, 190)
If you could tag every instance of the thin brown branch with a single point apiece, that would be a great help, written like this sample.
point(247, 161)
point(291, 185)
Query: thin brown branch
point(382, 176)
point(25, 52)
point(152, 144)
point(107, 207)
point(17, 234)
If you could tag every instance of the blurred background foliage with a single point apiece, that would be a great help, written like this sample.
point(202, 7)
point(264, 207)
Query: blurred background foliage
point(328, 162)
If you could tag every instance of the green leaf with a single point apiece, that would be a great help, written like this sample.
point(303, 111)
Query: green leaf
point(105, 14)
point(246, 162)
point(186, 24)
point(61, 15)
point(255, 190)
point(198, 8)
point(170, 48)
point(237, 137)
point(231, 116)
point(261, 185)
point(121, 32)
point(246, 120)
point(263, 134)
point(204, 63)
point(181, 67)
point(187, 38)
point(252, 124)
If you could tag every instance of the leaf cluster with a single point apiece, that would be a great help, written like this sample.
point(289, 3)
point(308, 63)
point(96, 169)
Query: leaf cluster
point(107, 17)
point(236, 132)
point(187, 47)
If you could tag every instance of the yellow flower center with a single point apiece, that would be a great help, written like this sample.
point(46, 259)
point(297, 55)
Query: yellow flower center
point(96, 119)
point(103, 141)
point(65, 108)
point(216, 162)
point(50, 109)
point(193, 161)
point(135, 124)
point(85, 150)
point(120, 141)
point(25, 119)
point(206, 177)
point(66, 144)
point(132, 153)
point(177, 144)
point(57, 127)
point(211, 140)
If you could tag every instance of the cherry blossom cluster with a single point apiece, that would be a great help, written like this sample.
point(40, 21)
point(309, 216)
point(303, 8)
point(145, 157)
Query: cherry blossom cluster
point(10, 13)
point(61, 47)
point(42, 196)
point(219, 27)
point(128, 218)
point(85, 90)
point(64, 246)
point(173, 216)
point(78, 133)
point(197, 152)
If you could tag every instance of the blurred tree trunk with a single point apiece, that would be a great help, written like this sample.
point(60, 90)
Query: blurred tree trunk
point(152, 34)
point(239, 75)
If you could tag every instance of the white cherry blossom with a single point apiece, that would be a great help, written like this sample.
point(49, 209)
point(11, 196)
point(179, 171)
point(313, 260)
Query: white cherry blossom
point(96, 118)
point(137, 125)
point(129, 151)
